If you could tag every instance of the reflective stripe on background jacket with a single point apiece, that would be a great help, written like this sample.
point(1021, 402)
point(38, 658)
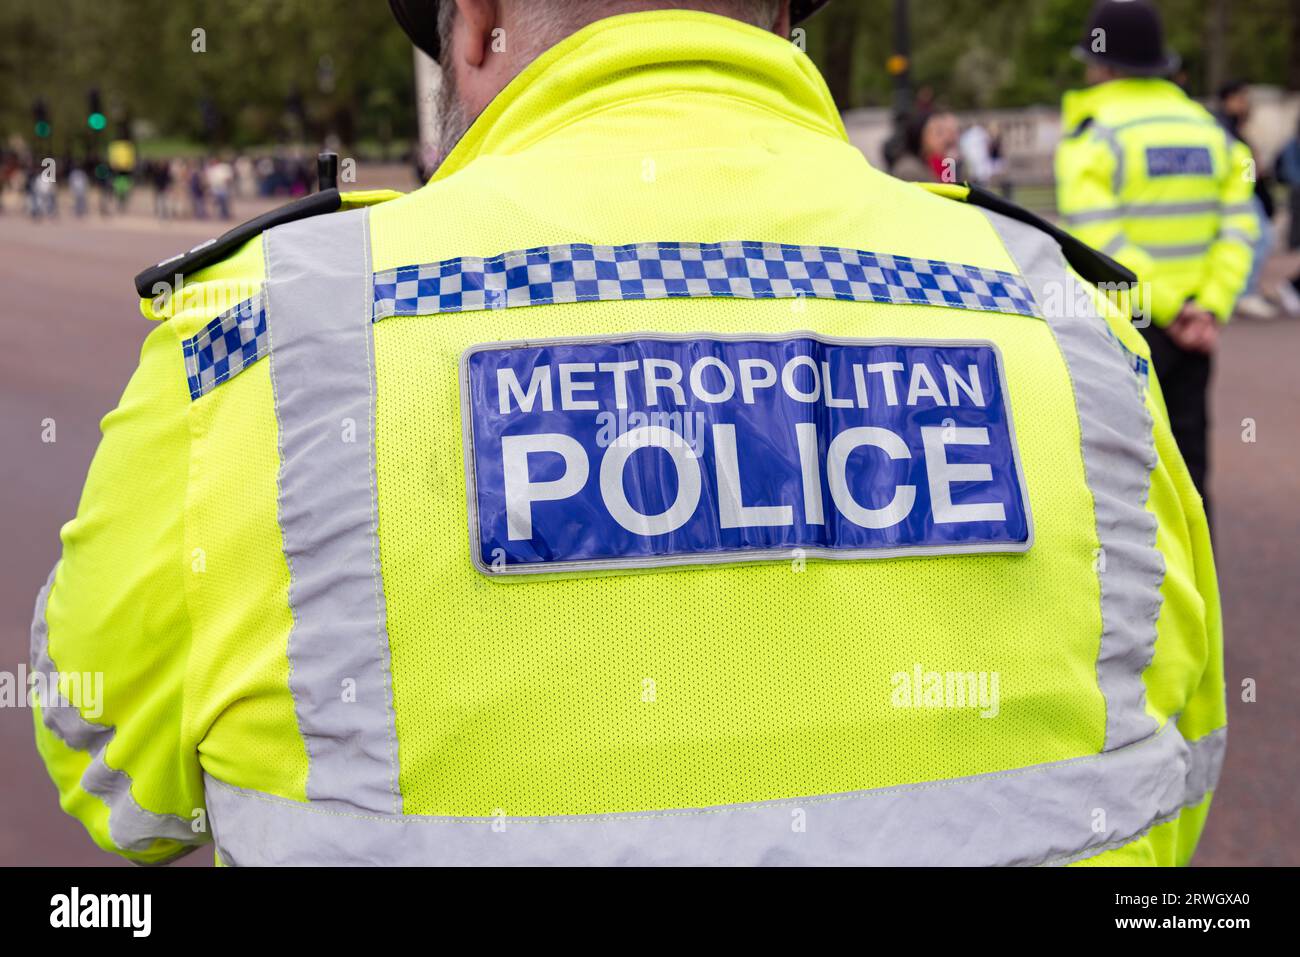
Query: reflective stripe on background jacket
point(989, 635)
point(1148, 176)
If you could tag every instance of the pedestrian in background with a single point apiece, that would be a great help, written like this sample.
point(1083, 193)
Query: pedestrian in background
point(79, 186)
point(1287, 170)
point(1233, 114)
point(220, 176)
point(43, 201)
point(930, 149)
point(198, 188)
point(159, 174)
point(1288, 173)
point(976, 147)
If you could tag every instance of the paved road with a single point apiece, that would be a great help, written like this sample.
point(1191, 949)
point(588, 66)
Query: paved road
point(70, 336)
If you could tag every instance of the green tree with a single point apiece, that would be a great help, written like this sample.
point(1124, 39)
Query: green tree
point(159, 61)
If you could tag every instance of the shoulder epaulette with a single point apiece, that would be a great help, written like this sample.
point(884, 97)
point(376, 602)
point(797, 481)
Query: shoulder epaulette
point(1092, 264)
point(1078, 130)
point(214, 250)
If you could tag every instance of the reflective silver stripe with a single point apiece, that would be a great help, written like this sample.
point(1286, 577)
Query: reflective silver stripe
point(1095, 216)
point(1164, 118)
point(1176, 250)
point(1236, 235)
point(1116, 243)
point(1150, 210)
point(318, 292)
point(1144, 211)
point(1238, 209)
point(1044, 814)
point(1118, 457)
point(1107, 135)
point(130, 826)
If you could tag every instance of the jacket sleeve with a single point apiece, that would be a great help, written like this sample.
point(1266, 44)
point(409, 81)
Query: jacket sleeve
point(1232, 254)
point(1091, 209)
point(1205, 711)
point(1191, 601)
point(111, 634)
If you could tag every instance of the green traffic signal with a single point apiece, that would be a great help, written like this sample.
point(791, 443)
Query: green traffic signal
point(96, 121)
point(42, 129)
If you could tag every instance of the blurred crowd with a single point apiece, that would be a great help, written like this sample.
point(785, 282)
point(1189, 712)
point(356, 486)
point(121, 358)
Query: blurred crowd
point(930, 144)
point(177, 188)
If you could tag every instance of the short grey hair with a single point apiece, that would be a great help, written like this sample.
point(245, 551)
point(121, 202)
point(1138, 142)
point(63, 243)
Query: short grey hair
point(550, 21)
point(446, 16)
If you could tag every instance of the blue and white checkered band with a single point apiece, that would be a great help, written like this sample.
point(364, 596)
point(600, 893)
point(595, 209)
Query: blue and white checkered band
point(1140, 366)
point(227, 345)
point(580, 272)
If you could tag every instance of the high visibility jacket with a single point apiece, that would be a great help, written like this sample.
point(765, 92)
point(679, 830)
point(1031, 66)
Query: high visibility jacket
point(660, 483)
point(1149, 176)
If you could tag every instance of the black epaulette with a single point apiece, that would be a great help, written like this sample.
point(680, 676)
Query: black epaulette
point(1092, 264)
point(214, 250)
point(1080, 129)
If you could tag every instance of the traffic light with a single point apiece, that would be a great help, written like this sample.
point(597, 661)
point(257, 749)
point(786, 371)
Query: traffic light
point(41, 120)
point(95, 118)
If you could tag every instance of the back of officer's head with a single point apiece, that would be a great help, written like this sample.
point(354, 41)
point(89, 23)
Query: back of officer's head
point(484, 44)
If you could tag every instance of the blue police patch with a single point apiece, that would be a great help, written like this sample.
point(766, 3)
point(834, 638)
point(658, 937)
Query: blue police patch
point(655, 450)
point(1179, 161)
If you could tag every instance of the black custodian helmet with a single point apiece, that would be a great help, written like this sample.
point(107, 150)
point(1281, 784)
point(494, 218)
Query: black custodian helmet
point(419, 18)
point(1127, 35)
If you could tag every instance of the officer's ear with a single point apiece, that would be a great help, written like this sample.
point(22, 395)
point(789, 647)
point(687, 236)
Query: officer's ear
point(473, 29)
point(782, 25)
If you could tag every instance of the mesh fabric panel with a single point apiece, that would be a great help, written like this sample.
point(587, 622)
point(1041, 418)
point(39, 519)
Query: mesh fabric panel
point(240, 600)
point(766, 681)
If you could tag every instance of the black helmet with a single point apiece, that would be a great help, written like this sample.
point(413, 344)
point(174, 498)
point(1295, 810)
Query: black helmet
point(419, 18)
point(1127, 35)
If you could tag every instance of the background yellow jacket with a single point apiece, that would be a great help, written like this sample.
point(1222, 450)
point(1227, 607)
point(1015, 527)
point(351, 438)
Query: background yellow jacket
point(309, 658)
point(1148, 176)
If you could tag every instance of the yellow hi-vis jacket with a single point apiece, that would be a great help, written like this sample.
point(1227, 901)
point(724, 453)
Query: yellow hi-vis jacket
point(1148, 176)
point(660, 483)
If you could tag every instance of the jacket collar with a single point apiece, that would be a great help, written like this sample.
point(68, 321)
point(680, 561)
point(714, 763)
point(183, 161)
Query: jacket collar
point(635, 56)
point(1079, 105)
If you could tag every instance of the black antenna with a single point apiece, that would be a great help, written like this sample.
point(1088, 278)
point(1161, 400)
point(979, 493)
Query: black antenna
point(327, 171)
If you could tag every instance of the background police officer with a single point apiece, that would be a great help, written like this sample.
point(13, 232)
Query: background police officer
point(1146, 175)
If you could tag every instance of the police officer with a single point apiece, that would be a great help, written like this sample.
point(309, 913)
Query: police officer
point(658, 484)
point(1147, 175)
